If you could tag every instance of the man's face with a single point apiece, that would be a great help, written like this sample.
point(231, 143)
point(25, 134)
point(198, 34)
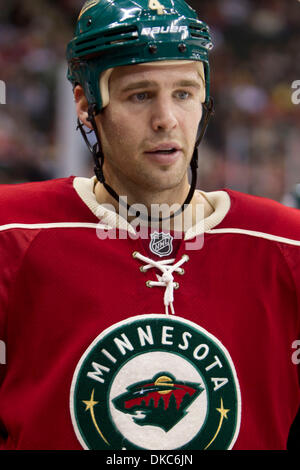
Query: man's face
point(148, 130)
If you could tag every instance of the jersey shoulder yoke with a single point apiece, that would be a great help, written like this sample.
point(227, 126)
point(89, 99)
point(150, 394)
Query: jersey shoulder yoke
point(42, 202)
point(262, 215)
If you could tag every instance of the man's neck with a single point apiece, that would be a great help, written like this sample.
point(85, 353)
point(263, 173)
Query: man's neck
point(195, 212)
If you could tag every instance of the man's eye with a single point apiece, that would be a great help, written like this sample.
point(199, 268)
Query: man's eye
point(140, 97)
point(183, 95)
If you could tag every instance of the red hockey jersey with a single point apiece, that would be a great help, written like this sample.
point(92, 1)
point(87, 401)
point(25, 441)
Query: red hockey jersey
point(160, 343)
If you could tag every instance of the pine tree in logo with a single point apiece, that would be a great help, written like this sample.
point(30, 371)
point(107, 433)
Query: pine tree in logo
point(161, 401)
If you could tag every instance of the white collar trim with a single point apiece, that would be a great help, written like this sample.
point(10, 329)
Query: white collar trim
point(219, 200)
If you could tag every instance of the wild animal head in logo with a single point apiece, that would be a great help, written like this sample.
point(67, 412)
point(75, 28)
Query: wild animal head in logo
point(161, 401)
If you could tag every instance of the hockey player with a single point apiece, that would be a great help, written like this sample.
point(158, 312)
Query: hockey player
point(125, 335)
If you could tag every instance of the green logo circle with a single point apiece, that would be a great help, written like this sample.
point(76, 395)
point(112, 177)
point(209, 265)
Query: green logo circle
point(155, 382)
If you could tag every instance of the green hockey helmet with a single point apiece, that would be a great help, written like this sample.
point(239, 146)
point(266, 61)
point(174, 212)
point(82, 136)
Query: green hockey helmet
point(112, 33)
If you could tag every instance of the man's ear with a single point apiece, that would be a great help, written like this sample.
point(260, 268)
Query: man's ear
point(81, 105)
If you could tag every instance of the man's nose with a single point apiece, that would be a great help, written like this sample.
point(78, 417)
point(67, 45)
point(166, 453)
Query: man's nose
point(163, 115)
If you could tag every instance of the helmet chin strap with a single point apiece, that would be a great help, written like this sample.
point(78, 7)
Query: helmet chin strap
point(96, 151)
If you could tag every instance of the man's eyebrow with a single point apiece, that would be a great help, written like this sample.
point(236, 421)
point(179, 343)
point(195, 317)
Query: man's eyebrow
point(138, 85)
point(188, 83)
point(148, 84)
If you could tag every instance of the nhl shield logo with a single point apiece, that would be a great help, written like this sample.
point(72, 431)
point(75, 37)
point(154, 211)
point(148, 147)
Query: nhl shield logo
point(155, 383)
point(161, 244)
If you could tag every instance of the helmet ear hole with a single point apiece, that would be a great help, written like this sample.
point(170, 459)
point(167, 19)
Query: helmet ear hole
point(104, 86)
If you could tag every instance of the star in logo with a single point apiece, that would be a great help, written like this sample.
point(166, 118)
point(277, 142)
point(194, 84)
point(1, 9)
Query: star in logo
point(223, 414)
point(91, 402)
point(90, 406)
point(223, 411)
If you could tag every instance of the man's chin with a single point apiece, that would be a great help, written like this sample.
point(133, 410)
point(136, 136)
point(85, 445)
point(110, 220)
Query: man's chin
point(161, 183)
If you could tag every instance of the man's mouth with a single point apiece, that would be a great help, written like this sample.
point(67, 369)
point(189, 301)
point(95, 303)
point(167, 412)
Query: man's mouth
point(164, 154)
point(164, 151)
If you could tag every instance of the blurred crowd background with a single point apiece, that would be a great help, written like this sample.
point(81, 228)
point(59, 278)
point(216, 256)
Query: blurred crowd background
point(253, 141)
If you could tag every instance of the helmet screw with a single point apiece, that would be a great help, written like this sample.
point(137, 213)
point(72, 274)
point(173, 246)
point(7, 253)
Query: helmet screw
point(182, 47)
point(89, 22)
point(152, 48)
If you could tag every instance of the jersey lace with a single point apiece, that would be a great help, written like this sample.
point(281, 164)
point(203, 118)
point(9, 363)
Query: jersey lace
point(166, 279)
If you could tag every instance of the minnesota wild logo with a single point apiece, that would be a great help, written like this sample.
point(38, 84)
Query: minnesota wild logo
point(162, 401)
point(155, 382)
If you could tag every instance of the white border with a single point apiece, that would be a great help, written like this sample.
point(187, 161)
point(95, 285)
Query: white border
point(153, 316)
point(51, 225)
point(217, 231)
point(253, 233)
